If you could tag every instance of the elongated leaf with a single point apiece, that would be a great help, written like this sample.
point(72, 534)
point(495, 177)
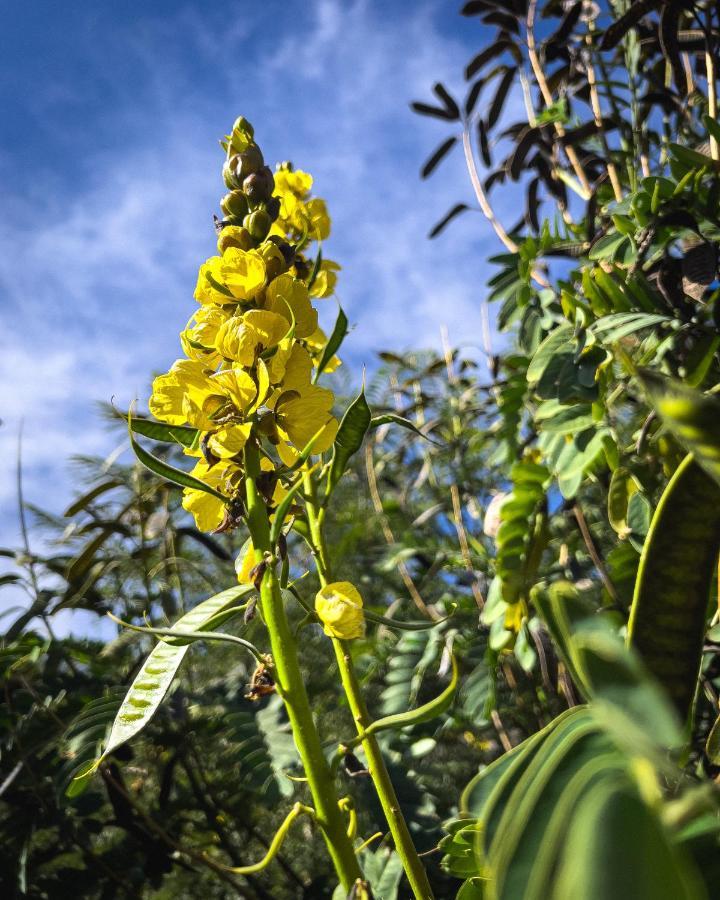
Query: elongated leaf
point(424, 109)
point(340, 330)
point(677, 565)
point(619, 325)
point(91, 495)
point(445, 221)
point(617, 31)
point(498, 103)
point(393, 419)
point(450, 105)
point(167, 434)
point(171, 473)
point(437, 157)
point(353, 427)
point(82, 562)
point(153, 681)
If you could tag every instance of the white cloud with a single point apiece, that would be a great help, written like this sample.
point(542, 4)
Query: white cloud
point(95, 291)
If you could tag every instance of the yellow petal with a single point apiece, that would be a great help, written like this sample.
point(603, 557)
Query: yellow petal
point(339, 608)
point(229, 440)
point(242, 272)
point(285, 294)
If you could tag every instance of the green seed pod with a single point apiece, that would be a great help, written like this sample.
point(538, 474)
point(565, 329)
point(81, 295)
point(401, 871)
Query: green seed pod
point(235, 204)
point(258, 224)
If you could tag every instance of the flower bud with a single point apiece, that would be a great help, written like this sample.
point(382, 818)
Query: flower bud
point(275, 262)
point(273, 207)
point(259, 186)
point(339, 608)
point(258, 224)
point(249, 161)
point(235, 236)
point(235, 204)
point(242, 134)
point(228, 173)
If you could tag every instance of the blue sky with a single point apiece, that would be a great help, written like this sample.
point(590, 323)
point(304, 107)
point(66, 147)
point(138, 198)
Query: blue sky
point(109, 165)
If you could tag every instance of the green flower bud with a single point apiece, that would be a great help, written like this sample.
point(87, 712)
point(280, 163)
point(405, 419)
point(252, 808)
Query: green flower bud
point(258, 224)
point(228, 172)
point(248, 162)
point(235, 204)
point(259, 186)
point(242, 134)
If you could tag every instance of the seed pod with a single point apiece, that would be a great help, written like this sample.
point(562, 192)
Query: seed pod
point(235, 204)
point(258, 224)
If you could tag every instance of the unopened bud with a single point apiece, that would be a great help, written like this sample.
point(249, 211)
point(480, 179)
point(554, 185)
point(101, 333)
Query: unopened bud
point(258, 224)
point(229, 177)
point(275, 262)
point(235, 204)
point(259, 185)
point(235, 236)
point(249, 161)
point(273, 207)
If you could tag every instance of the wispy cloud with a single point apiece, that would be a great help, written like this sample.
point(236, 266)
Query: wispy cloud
point(95, 289)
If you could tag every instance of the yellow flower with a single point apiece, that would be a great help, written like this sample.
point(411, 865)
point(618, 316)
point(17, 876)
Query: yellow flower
point(243, 338)
point(339, 608)
point(316, 344)
point(302, 415)
point(287, 294)
point(237, 386)
point(236, 275)
point(182, 394)
point(245, 562)
point(198, 338)
point(326, 279)
point(292, 181)
point(319, 220)
point(207, 510)
point(229, 440)
point(243, 272)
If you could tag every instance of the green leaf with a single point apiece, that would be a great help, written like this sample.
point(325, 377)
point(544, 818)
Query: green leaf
point(168, 472)
point(677, 566)
point(91, 495)
point(153, 681)
point(619, 325)
point(607, 246)
point(167, 434)
point(693, 417)
point(339, 332)
point(622, 487)
point(617, 848)
point(547, 350)
point(393, 419)
point(712, 745)
point(353, 427)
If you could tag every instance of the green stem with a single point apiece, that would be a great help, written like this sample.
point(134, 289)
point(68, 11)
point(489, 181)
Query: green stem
point(290, 686)
point(404, 845)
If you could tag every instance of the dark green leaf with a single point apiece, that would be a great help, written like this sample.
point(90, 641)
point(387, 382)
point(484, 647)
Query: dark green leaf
point(352, 430)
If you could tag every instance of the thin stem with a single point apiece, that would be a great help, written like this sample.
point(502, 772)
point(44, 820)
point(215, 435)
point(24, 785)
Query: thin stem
point(404, 845)
point(290, 686)
point(548, 98)
point(711, 91)
point(597, 115)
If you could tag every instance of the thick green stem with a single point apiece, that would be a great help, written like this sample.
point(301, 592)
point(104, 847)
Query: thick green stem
point(290, 686)
point(404, 845)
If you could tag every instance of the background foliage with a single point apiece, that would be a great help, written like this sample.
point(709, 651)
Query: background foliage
point(563, 768)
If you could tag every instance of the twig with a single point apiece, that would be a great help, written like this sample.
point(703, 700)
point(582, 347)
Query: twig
point(594, 553)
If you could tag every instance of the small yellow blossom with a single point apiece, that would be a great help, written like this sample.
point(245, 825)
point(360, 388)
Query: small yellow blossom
point(302, 415)
point(208, 510)
point(243, 338)
point(316, 345)
point(245, 563)
point(198, 338)
point(319, 220)
point(287, 295)
point(339, 608)
point(229, 440)
point(326, 279)
point(182, 394)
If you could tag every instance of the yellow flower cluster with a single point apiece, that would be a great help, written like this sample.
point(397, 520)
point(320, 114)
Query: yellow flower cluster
point(253, 345)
